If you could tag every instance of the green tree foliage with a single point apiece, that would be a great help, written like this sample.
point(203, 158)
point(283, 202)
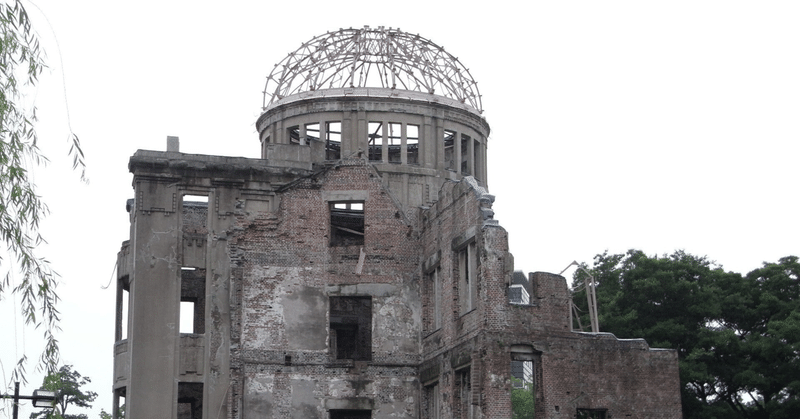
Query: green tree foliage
point(25, 272)
point(67, 384)
point(106, 415)
point(522, 401)
point(737, 337)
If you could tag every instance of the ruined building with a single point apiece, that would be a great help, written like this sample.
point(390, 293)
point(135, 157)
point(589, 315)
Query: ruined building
point(355, 270)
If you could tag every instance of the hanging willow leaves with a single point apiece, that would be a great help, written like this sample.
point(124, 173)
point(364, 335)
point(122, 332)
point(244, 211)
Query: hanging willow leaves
point(26, 273)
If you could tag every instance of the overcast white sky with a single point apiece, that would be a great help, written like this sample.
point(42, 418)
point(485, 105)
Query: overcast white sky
point(615, 125)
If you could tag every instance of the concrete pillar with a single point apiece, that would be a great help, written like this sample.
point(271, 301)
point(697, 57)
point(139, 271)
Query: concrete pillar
point(173, 144)
point(153, 337)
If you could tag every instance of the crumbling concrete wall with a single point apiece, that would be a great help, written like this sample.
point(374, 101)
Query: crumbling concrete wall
point(434, 280)
point(571, 370)
point(287, 271)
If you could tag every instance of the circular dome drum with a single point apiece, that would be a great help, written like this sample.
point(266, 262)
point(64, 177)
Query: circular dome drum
point(396, 100)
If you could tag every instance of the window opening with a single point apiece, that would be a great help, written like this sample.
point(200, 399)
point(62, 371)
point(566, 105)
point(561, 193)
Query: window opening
point(351, 327)
point(293, 133)
point(465, 140)
point(375, 141)
point(193, 297)
point(312, 132)
point(517, 294)
point(432, 401)
point(468, 284)
point(449, 151)
point(347, 223)
point(118, 404)
point(395, 140)
point(191, 310)
point(412, 144)
point(523, 385)
point(350, 414)
point(187, 317)
point(123, 304)
point(476, 153)
point(464, 391)
point(591, 414)
point(333, 140)
point(433, 297)
point(190, 400)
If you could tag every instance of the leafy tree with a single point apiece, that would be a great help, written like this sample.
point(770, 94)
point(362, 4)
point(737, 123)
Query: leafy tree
point(67, 384)
point(737, 337)
point(25, 272)
point(106, 415)
point(522, 401)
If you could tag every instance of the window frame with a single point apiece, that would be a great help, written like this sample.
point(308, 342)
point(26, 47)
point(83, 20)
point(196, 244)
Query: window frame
point(340, 218)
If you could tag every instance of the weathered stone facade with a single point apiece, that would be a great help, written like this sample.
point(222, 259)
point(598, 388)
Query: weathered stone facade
point(341, 277)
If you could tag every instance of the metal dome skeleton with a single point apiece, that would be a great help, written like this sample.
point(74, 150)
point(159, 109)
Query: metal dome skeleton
point(367, 57)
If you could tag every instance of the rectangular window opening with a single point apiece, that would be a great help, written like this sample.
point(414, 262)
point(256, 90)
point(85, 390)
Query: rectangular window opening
point(395, 140)
point(193, 297)
point(122, 310)
point(522, 386)
point(591, 414)
point(350, 414)
point(351, 328)
point(431, 401)
point(464, 392)
point(412, 144)
point(465, 140)
point(375, 141)
point(293, 134)
point(449, 151)
point(190, 400)
point(333, 140)
point(433, 300)
point(118, 404)
point(476, 152)
point(312, 132)
point(467, 275)
point(347, 223)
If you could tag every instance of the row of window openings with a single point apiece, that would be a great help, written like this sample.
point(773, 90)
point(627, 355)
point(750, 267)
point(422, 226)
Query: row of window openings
point(392, 138)
point(190, 401)
point(350, 325)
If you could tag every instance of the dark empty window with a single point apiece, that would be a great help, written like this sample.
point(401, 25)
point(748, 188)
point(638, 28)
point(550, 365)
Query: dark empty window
point(431, 403)
point(347, 223)
point(190, 400)
point(350, 414)
point(351, 327)
point(591, 414)
point(464, 393)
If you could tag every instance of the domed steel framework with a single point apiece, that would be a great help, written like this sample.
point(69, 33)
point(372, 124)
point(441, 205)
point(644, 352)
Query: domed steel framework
point(372, 57)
